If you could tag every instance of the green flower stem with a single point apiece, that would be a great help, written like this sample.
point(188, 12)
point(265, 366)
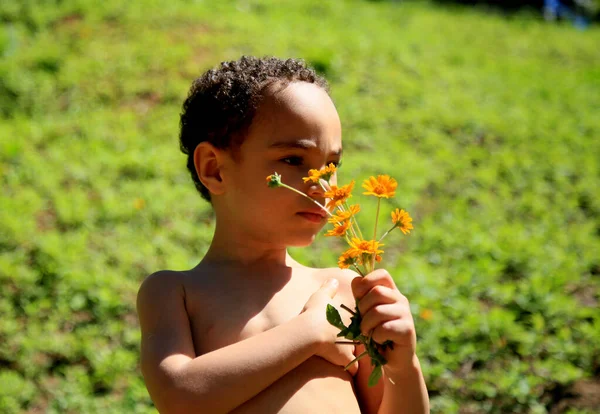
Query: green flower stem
point(353, 217)
point(375, 231)
point(354, 233)
point(348, 342)
point(387, 232)
point(360, 272)
point(348, 309)
point(391, 380)
point(352, 230)
point(347, 238)
point(364, 354)
point(376, 217)
point(322, 186)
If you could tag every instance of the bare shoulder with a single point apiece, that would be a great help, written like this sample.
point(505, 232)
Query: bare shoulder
point(158, 286)
point(166, 340)
point(344, 277)
point(161, 279)
point(159, 292)
point(162, 296)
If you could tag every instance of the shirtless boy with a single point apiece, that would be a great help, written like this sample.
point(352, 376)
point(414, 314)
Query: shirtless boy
point(245, 330)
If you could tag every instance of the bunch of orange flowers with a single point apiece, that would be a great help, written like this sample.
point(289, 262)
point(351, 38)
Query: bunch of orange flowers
point(362, 253)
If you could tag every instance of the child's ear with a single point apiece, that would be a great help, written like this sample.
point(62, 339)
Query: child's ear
point(208, 162)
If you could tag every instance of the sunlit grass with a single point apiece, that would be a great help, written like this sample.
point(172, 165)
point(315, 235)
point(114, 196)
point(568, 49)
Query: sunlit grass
point(488, 123)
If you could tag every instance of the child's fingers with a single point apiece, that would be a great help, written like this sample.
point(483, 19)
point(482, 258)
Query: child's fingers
point(378, 315)
point(330, 287)
point(361, 285)
point(340, 355)
point(400, 331)
point(378, 295)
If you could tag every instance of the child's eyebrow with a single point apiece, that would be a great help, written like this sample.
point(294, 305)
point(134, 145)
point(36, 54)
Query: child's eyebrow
point(300, 144)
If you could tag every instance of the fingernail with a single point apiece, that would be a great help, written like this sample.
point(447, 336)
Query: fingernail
point(331, 283)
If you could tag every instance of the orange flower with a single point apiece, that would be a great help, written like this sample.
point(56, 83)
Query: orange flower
point(368, 247)
point(313, 176)
point(139, 203)
point(339, 229)
point(402, 220)
point(324, 173)
point(427, 314)
point(338, 195)
point(347, 259)
point(340, 216)
point(382, 186)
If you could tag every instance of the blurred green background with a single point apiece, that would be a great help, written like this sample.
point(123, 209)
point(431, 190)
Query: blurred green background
point(489, 121)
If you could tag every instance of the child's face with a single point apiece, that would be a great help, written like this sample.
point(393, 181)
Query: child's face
point(295, 129)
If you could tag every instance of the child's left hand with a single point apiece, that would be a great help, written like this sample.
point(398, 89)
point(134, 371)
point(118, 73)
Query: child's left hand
point(386, 312)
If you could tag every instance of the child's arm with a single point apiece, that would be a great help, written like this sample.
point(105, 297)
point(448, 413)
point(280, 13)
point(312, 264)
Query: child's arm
point(408, 394)
point(386, 313)
point(222, 380)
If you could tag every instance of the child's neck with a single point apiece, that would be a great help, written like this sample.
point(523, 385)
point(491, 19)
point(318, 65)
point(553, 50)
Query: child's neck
point(232, 251)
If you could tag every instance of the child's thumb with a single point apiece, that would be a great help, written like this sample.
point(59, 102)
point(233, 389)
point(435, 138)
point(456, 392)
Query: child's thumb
point(330, 287)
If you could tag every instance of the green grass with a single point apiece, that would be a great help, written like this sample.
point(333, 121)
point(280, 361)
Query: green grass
point(489, 123)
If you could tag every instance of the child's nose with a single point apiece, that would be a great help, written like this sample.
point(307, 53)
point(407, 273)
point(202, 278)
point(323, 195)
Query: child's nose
point(315, 190)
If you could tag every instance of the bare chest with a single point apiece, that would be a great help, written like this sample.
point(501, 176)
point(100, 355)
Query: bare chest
point(224, 314)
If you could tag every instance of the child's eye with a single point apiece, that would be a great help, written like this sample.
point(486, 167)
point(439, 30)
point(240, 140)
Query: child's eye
point(293, 160)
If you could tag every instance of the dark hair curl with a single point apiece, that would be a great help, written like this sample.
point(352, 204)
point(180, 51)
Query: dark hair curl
point(222, 102)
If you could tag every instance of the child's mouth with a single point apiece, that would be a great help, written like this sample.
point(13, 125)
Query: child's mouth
point(312, 217)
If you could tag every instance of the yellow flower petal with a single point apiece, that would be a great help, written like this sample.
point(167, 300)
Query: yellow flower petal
point(427, 314)
point(339, 229)
point(348, 258)
point(313, 176)
point(365, 246)
point(139, 203)
point(324, 173)
point(338, 195)
point(383, 186)
point(340, 216)
point(402, 220)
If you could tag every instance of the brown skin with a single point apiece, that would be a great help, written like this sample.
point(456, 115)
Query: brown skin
point(245, 330)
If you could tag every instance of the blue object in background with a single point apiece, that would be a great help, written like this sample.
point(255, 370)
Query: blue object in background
point(554, 9)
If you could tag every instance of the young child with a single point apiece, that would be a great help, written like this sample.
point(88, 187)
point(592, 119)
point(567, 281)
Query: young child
point(245, 330)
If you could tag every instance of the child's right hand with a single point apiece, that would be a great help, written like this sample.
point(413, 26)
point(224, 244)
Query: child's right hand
point(316, 305)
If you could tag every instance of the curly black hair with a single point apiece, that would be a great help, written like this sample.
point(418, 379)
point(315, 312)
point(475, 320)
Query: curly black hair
point(222, 102)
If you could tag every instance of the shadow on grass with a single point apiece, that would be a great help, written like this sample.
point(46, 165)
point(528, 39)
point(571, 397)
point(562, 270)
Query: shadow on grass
point(514, 7)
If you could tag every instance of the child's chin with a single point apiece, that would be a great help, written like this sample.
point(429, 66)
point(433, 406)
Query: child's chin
point(301, 241)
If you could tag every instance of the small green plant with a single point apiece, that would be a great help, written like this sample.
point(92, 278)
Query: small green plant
point(492, 137)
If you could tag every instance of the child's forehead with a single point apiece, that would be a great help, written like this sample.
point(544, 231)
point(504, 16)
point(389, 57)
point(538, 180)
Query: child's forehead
point(296, 94)
point(299, 112)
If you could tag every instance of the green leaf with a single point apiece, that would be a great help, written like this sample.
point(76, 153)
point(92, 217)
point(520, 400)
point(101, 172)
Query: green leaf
point(355, 325)
point(334, 318)
point(343, 333)
point(376, 357)
point(375, 375)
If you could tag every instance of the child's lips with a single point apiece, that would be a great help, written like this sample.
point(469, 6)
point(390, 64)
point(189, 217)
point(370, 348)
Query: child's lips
point(315, 216)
